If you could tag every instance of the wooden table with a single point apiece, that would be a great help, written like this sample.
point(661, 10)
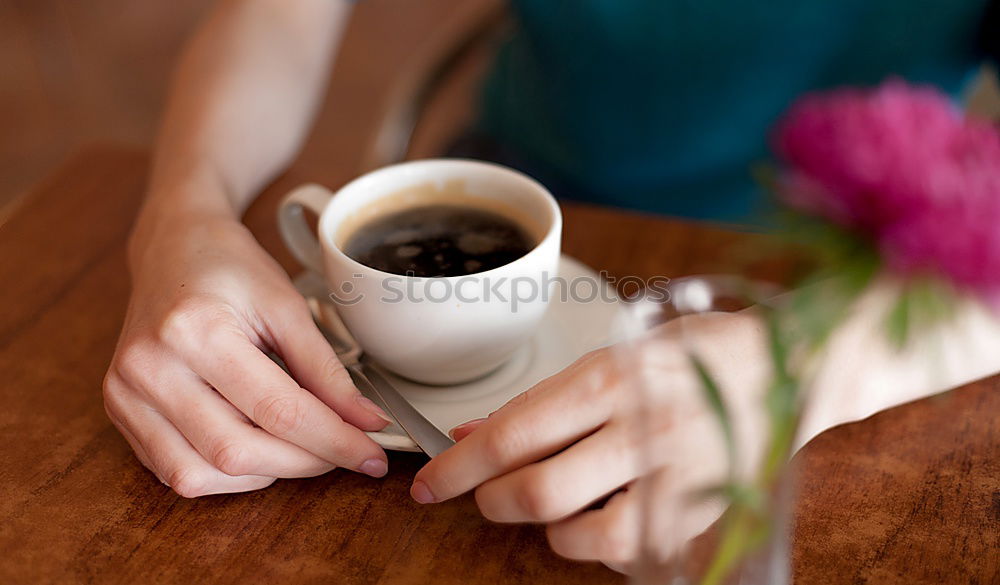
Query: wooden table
point(910, 496)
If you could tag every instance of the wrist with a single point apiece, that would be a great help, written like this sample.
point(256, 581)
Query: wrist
point(175, 208)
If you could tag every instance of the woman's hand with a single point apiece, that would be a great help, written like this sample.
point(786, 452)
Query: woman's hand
point(191, 387)
point(580, 438)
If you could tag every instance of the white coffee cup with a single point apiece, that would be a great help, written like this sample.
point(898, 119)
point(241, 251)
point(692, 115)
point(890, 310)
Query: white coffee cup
point(443, 330)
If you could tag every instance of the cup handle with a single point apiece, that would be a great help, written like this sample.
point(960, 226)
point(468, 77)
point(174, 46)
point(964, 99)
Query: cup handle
point(298, 238)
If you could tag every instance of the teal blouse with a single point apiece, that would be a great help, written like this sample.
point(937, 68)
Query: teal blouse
point(665, 105)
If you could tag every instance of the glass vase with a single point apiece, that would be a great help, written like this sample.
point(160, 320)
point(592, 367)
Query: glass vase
point(715, 430)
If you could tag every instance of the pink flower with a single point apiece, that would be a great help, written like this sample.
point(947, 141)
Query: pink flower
point(901, 166)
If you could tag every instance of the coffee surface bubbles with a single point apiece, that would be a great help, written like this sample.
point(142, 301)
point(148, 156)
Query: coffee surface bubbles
point(438, 240)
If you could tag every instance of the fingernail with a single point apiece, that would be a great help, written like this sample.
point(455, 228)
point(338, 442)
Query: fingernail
point(373, 408)
point(421, 493)
point(461, 431)
point(374, 468)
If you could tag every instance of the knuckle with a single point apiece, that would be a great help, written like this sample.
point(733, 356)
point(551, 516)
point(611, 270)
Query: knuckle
point(524, 397)
point(619, 437)
point(489, 502)
point(610, 543)
point(616, 538)
point(333, 371)
point(505, 444)
point(483, 502)
point(231, 458)
point(116, 398)
point(280, 414)
point(112, 412)
point(616, 544)
point(558, 541)
point(187, 319)
point(111, 390)
point(134, 359)
point(188, 482)
point(540, 500)
point(598, 376)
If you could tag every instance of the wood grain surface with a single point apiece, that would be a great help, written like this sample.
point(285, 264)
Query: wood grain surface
point(910, 496)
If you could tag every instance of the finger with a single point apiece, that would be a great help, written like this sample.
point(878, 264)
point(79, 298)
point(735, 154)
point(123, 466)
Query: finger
point(581, 365)
point(676, 509)
point(225, 438)
point(114, 391)
point(610, 535)
point(465, 429)
point(261, 390)
point(176, 462)
point(570, 406)
point(316, 367)
point(654, 515)
point(623, 568)
point(140, 453)
point(564, 484)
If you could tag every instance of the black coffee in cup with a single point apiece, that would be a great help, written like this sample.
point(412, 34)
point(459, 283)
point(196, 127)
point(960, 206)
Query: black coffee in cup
point(437, 240)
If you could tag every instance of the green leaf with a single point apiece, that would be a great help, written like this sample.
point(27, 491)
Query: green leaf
point(742, 533)
point(824, 301)
point(922, 303)
point(713, 396)
point(736, 494)
point(933, 302)
point(776, 345)
point(898, 321)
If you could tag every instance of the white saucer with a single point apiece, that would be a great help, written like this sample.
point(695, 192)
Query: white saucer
point(572, 326)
